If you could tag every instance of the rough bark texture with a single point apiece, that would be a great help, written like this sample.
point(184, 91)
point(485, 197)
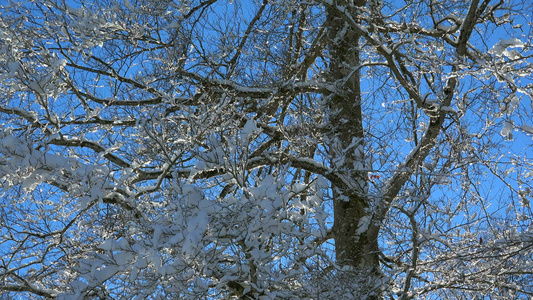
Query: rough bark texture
point(354, 246)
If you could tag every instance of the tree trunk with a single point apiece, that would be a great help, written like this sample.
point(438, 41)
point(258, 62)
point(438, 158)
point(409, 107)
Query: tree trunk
point(354, 245)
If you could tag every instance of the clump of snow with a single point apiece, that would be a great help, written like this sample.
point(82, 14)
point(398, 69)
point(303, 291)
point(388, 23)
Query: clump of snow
point(501, 47)
point(249, 128)
point(363, 225)
point(527, 128)
point(507, 128)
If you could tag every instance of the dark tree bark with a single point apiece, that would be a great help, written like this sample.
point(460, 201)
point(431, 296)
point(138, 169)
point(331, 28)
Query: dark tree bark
point(354, 245)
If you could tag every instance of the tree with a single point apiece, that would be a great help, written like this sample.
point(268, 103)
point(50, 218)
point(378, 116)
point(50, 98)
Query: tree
point(266, 149)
